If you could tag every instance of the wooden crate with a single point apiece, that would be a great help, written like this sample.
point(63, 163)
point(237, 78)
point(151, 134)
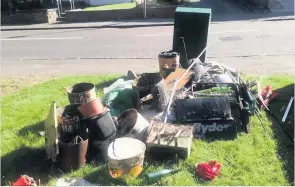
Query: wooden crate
point(167, 139)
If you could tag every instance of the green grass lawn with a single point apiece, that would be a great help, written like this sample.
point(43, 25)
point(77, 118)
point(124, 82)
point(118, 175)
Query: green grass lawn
point(251, 159)
point(111, 7)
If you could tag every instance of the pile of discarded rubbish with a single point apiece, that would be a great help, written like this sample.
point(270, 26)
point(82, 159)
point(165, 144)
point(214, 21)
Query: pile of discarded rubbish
point(151, 114)
point(155, 113)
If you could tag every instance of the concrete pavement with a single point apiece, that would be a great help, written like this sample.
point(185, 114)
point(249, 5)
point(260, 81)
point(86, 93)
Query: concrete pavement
point(151, 22)
point(260, 65)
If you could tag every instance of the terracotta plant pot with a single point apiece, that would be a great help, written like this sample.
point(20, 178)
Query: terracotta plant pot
point(81, 93)
point(92, 108)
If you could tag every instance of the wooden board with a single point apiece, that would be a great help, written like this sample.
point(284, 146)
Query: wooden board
point(170, 80)
point(170, 138)
point(51, 134)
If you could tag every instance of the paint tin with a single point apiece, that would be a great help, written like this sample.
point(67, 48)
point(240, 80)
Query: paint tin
point(125, 157)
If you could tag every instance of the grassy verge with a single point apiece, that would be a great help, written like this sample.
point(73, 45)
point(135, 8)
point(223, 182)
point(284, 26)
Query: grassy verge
point(251, 159)
point(111, 7)
point(16, 83)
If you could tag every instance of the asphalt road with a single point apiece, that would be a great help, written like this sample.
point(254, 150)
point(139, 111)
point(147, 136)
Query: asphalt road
point(267, 43)
point(227, 39)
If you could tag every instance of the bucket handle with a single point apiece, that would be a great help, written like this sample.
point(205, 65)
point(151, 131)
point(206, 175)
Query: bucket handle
point(76, 139)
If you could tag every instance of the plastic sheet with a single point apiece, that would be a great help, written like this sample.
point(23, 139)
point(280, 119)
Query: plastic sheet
point(120, 96)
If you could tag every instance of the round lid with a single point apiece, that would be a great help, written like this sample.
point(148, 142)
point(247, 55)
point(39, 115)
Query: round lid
point(168, 54)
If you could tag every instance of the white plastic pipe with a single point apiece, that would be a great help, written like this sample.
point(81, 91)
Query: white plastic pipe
point(288, 109)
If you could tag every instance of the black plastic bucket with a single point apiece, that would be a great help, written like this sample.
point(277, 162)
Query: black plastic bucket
point(99, 148)
point(101, 126)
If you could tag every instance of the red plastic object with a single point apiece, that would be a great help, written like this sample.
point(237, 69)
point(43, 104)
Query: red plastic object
point(24, 180)
point(267, 95)
point(208, 171)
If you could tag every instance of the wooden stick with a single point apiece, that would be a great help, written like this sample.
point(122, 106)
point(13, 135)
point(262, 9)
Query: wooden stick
point(159, 135)
point(176, 137)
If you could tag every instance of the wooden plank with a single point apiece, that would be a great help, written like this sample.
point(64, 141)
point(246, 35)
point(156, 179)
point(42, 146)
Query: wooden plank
point(51, 134)
point(170, 80)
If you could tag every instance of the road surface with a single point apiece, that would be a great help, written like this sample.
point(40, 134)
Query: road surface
point(240, 43)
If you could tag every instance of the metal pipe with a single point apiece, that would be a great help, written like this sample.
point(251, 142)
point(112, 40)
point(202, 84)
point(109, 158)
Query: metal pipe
point(58, 7)
point(144, 9)
point(71, 4)
point(288, 109)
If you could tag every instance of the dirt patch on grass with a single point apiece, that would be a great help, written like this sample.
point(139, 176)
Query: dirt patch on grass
point(12, 84)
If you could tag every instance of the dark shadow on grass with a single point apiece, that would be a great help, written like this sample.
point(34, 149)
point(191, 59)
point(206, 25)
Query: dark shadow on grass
point(102, 177)
point(285, 148)
point(35, 129)
point(25, 161)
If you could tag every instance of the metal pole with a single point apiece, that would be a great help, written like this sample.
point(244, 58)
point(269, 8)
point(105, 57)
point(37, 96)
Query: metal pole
point(58, 7)
point(144, 9)
point(71, 4)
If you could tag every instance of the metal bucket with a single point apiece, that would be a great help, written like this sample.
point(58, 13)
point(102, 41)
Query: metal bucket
point(72, 156)
point(132, 124)
point(81, 93)
point(126, 156)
